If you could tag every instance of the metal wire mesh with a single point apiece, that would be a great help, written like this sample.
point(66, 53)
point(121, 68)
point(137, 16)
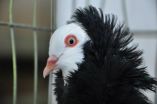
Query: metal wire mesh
point(12, 25)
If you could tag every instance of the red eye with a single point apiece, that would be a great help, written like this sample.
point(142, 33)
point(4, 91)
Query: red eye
point(71, 40)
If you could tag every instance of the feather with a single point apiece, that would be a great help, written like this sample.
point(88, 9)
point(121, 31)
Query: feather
point(112, 72)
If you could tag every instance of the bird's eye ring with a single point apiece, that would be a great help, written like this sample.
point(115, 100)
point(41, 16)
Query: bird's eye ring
point(70, 40)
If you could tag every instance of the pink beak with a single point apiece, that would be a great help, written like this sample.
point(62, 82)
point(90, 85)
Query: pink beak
point(50, 66)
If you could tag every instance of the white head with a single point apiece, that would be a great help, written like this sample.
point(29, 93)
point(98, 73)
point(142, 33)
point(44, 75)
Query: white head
point(66, 49)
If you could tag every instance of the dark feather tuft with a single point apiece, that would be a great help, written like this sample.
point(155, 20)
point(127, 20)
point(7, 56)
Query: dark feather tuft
point(111, 72)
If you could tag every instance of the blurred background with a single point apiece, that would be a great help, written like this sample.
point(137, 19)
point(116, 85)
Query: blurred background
point(139, 15)
point(24, 42)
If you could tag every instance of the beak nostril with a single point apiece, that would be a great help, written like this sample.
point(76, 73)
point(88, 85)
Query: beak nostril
point(52, 59)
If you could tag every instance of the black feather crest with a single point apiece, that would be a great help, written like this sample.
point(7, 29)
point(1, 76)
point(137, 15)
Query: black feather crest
point(111, 72)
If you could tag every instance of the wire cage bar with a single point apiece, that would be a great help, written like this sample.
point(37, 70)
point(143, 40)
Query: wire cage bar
point(14, 63)
point(25, 26)
point(35, 53)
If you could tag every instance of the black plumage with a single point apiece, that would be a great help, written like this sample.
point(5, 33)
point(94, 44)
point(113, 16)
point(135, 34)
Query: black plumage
point(112, 71)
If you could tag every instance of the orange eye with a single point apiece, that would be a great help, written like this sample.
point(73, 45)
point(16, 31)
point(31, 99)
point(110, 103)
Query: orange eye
point(71, 40)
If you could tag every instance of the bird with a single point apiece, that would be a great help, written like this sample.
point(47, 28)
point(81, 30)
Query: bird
point(94, 63)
